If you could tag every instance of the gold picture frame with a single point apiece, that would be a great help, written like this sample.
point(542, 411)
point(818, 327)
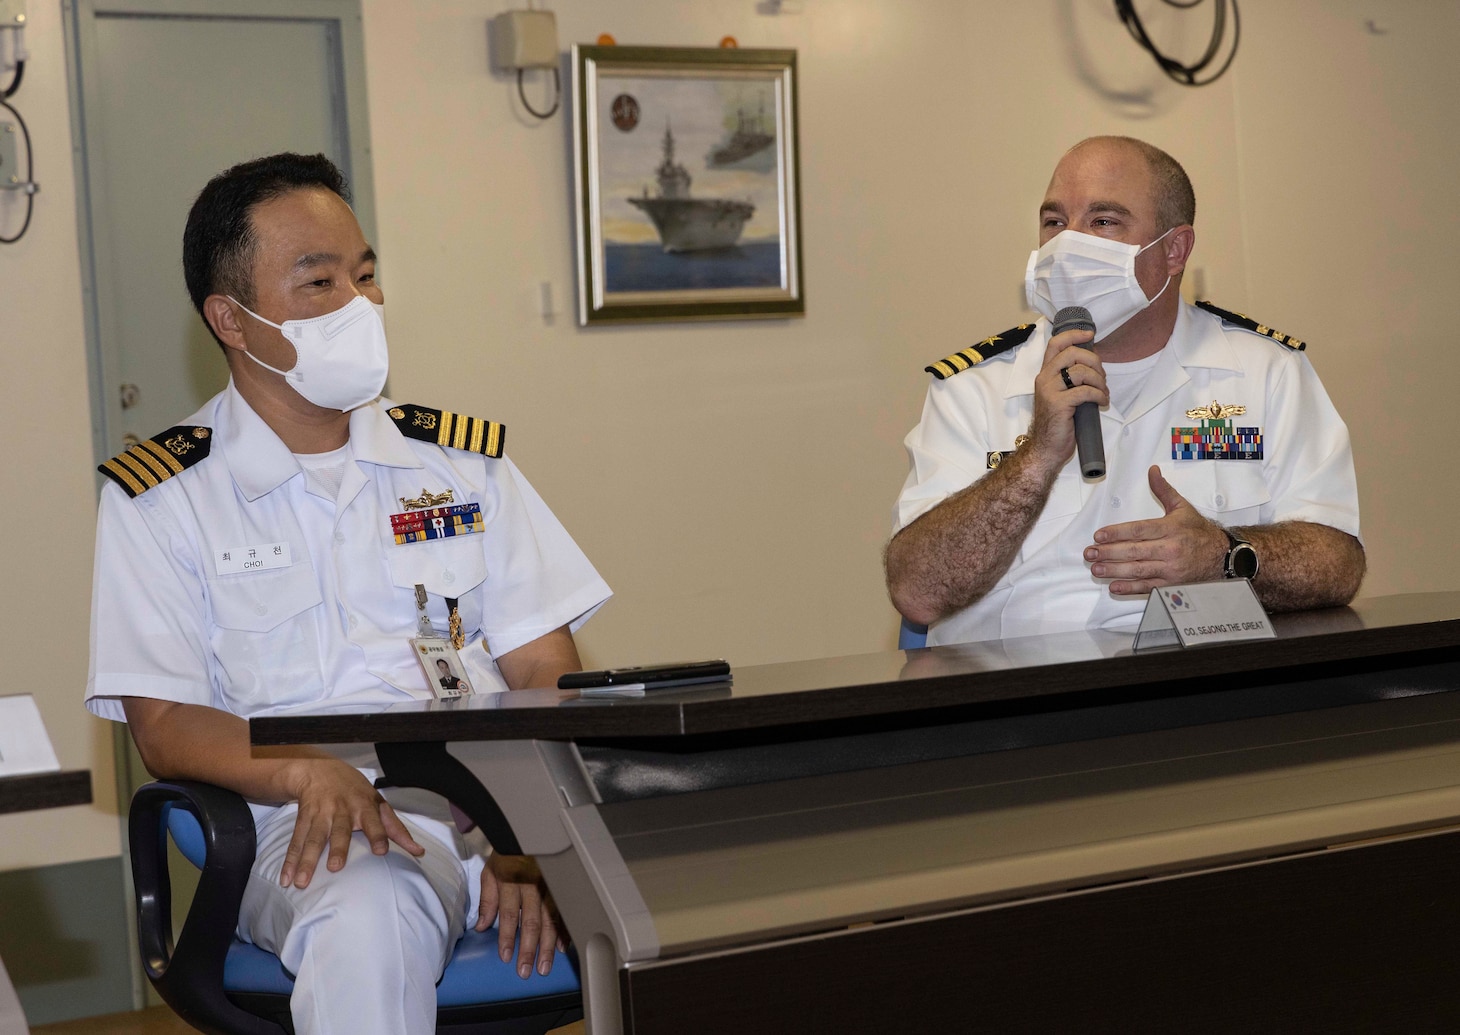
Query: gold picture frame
point(687, 184)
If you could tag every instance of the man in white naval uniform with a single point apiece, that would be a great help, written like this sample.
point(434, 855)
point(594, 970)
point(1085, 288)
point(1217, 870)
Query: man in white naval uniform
point(253, 561)
point(1225, 455)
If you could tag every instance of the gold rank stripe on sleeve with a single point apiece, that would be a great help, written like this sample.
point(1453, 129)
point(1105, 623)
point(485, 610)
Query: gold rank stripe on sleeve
point(148, 464)
point(989, 347)
point(452, 430)
point(1247, 323)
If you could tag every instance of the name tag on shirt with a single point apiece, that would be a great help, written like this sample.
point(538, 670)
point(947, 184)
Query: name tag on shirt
point(237, 559)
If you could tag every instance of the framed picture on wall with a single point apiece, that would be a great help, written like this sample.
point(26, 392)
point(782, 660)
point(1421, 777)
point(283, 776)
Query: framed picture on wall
point(688, 204)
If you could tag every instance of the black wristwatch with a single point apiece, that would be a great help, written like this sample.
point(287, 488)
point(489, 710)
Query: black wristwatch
point(1241, 559)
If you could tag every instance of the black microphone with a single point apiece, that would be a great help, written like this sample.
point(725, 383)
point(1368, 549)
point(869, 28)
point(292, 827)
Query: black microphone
point(1088, 441)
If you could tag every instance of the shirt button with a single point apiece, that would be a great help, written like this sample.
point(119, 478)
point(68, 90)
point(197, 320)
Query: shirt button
point(339, 537)
point(1115, 501)
point(448, 577)
point(1221, 500)
point(354, 622)
point(1125, 433)
point(261, 609)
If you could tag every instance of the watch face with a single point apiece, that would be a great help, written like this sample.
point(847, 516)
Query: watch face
point(1244, 561)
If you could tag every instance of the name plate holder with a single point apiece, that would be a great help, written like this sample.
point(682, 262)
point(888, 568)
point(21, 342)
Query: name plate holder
point(24, 746)
point(1202, 613)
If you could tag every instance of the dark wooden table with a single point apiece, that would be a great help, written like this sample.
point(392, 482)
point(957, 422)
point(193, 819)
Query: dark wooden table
point(24, 793)
point(45, 790)
point(1036, 834)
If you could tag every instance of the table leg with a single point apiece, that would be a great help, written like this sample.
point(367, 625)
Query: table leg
point(12, 1018)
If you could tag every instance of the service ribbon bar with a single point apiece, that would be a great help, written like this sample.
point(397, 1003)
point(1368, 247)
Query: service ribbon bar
point(417, 526)
point(1216, 440)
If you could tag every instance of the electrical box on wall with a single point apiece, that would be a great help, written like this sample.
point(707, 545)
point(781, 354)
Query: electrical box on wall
point(522, 39)
point(12, 13)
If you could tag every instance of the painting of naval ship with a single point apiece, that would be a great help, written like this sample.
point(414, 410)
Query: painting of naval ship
point(686, 223)
point(686, 169)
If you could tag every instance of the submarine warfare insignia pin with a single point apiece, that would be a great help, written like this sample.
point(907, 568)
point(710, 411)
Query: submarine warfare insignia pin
point(1215, 437)
point(427, 500)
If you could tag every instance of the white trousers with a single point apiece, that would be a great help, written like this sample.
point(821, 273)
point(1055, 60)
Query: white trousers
point(366, 945)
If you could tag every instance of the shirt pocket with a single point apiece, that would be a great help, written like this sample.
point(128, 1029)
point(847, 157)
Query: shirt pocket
point(453, 567)
point(265, 637)
point(1229, 492)
point(1065, 498)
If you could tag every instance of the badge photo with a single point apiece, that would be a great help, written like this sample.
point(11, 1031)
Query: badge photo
point(445, 674)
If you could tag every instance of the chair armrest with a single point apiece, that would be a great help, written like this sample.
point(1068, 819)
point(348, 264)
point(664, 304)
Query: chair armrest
point(429, 766)
point(189, 977)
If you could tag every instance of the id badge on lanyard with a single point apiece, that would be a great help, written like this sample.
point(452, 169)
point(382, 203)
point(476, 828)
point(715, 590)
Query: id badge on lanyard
point(445, 674)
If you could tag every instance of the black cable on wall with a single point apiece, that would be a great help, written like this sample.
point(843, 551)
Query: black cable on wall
point(1185, 74)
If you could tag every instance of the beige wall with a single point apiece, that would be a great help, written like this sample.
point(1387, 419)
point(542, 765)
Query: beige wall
point(733, 481)
point(46, 468)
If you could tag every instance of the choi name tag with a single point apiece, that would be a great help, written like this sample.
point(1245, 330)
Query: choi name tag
point(236, 559)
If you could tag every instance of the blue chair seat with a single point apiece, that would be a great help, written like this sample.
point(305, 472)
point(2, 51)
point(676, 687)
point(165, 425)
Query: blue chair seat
point(475, 974)
point(911, 636)
point(478, 991)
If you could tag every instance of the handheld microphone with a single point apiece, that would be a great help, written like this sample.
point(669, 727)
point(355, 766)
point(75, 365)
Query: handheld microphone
point(1089, 443)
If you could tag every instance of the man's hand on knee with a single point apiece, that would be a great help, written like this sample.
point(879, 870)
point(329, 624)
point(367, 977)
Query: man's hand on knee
point(514, 895)
point(335, 800)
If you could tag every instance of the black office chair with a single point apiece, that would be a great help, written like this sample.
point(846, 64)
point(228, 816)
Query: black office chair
point(225, 986)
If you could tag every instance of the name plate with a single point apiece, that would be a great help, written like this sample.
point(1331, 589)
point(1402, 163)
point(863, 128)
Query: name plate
point(24, 746)
point(1202, 613)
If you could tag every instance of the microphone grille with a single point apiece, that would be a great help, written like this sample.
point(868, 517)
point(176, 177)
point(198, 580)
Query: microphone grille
point(1073, 318)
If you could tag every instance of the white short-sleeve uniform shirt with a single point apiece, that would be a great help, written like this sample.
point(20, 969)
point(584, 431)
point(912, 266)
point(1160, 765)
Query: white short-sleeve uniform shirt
point(329, 629)
point(1305, 473)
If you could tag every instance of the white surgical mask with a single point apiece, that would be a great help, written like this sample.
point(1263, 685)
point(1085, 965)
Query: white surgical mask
point(1094, 272)
point(342, 357)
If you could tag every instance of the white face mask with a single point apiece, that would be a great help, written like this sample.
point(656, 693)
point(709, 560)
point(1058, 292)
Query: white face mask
point(341, 359)
point(1094, 272)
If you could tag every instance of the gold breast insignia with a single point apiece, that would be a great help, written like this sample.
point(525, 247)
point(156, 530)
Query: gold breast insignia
point(1216, 411)
point(428, 499)
point(1215, 438)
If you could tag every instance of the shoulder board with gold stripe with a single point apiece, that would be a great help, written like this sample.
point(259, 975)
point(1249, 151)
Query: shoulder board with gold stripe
point(980, 351)
point(450, 429)
point(1247, 323)
point(148, 464)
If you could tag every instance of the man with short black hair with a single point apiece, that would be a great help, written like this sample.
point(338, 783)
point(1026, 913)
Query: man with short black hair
point(266, 557)
point(1225, 455)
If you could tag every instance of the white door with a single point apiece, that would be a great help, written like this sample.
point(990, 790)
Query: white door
point(171, 94)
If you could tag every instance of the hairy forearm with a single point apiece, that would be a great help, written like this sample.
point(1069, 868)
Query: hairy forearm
point(1305, 565)
point(953, 554)
point(195, 742)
